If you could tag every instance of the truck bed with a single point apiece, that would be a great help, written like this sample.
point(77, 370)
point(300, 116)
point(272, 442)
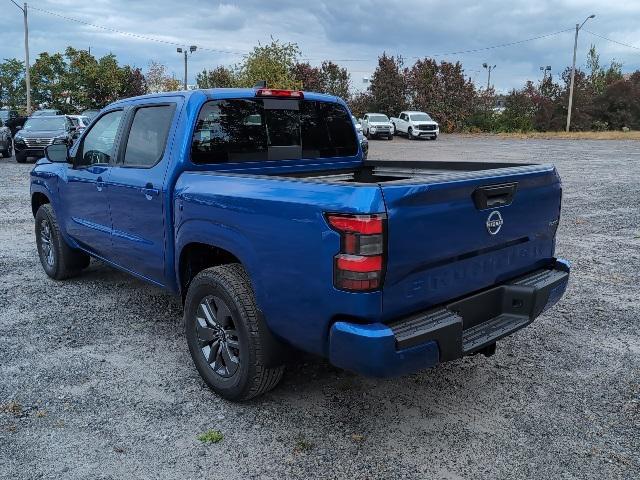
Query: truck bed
point(380, 172)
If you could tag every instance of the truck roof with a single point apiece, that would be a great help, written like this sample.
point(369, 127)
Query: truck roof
point(224, 93)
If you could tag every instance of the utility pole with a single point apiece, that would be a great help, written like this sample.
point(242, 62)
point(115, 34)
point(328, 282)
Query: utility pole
point(573, 70)
point(191, 49)
point(489, 68)
point(26, 54)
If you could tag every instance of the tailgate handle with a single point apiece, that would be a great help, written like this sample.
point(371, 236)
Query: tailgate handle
point(494, 196)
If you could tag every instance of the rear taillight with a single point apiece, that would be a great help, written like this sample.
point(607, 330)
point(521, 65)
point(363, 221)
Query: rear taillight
point(360, 264)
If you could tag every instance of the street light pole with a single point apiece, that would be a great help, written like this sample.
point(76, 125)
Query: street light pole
point(191, 49)
point(573, 70)
point(26, 54)
point(489, 68)
point(544, 72)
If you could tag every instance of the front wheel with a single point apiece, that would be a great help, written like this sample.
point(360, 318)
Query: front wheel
point(228, 340)
point(21, 157)
point(58, 260)
point(410, 133)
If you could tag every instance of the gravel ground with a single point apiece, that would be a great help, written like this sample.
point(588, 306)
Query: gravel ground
point(96, 380)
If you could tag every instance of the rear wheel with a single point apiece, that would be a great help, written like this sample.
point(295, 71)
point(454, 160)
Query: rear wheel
point(58, 260)
point(228, 340)
point(7, 152)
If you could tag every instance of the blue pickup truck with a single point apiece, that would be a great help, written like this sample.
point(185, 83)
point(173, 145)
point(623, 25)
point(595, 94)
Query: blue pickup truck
point(254, 205)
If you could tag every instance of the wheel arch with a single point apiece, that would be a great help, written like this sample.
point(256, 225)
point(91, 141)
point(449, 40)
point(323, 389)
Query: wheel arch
point(197, 256)
point(37, 200)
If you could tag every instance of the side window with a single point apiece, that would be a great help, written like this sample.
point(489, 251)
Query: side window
point(148, 135)
point(99, 142)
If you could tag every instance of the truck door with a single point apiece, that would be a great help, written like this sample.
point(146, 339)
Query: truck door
point(83, 192)
point(136, 190)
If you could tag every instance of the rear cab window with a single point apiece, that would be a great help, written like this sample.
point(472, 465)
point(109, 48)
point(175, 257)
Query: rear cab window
point(250, 130)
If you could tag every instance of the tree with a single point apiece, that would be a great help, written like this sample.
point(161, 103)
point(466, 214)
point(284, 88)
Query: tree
point(583, 94)
point(273, 63)
point(388, 87)
point(619, 105)
point(219, 77)
point(442, 90)
point(132, 82)
point(308, 78)
point(12, 85)
point(48, 81)
point(158, 80)
point(520, 110)
point(335, 80)
point(360, 104)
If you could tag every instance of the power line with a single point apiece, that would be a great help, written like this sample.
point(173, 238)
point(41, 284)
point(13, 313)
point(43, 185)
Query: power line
point(232, 52)
point(130, 34)
point(611, 40)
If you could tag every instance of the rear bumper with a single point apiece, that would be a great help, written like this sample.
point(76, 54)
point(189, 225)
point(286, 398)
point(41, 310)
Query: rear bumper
point(448, 332)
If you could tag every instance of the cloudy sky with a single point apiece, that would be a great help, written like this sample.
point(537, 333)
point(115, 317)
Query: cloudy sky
point(351, 32)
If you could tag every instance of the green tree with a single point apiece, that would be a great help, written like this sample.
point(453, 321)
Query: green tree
point(12, 86)
point(334, 80)
point(48, 81)
point(219, 77)
point(273, 63)
point(388, 87)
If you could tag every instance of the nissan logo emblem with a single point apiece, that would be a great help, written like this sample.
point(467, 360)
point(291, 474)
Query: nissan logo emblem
point(494, 222)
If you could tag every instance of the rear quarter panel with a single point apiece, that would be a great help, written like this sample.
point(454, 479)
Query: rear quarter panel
point(276, 228)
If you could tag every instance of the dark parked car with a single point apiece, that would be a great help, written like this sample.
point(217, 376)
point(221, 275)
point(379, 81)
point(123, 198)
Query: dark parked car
point(6, 146)
point(39, 132)
point(12, 119)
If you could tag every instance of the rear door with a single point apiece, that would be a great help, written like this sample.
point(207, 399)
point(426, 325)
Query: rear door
point(455, 233)
point(136, 190)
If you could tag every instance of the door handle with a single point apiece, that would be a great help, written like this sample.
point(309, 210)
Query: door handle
point(150, 192)
point(99, 184)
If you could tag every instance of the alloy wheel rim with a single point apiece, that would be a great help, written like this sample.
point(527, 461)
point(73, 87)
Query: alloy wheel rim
point(217, 336)
point(45, 243)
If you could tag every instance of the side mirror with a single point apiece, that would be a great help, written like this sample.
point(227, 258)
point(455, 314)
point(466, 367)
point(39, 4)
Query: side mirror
point(57, 153)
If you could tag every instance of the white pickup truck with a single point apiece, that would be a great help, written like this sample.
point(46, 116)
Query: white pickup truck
point(376, 125)
point(415, 125)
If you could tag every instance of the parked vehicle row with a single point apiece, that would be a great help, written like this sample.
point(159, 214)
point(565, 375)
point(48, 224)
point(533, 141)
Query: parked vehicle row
point(6, 142)
point(256, 208)
point(412, 124)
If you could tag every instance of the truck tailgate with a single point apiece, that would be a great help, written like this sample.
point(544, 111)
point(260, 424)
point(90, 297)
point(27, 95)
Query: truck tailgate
point(445, 239)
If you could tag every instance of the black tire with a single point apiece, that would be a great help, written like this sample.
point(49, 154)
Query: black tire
point(229, 342)
point(409, 133)
point(21, 157)
point(58, 259)
point(390, 137)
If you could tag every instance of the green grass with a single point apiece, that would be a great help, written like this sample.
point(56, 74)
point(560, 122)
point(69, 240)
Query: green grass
point(210, 436)
point(302, 445)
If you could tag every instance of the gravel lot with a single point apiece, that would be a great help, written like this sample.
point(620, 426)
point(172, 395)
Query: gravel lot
point(96, 380)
